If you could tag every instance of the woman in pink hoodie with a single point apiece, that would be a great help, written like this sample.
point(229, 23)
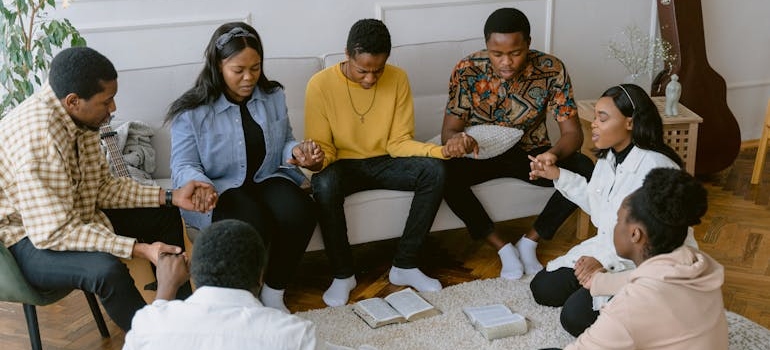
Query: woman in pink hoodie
point(673, 299)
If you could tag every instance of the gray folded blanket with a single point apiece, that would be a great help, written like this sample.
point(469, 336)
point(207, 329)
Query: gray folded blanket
point(134, 139)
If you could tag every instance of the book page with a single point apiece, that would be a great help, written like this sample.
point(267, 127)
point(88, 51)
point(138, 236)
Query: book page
point(408, 303)
point(377, 312)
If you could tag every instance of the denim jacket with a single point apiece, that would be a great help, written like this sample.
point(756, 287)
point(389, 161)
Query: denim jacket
point(207, 144)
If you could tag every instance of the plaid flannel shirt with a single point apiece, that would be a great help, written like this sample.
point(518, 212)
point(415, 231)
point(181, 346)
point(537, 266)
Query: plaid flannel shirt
point(54, 180)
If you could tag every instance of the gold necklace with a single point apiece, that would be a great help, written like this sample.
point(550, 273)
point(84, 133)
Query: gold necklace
point(350, 97)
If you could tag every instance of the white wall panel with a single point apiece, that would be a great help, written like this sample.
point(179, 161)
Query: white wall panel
point(150, 40)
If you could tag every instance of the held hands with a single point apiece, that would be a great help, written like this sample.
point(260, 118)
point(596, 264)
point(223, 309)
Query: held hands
point(459, 145)
point(543, 166)
point(308, 155)
point(151, 251)
point(585, 269)
point(195, 196)
point(173, 270)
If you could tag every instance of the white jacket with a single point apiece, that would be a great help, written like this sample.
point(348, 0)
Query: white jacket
point(601, 198)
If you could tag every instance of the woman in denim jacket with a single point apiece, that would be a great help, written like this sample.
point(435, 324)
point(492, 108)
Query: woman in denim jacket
point(231, 129)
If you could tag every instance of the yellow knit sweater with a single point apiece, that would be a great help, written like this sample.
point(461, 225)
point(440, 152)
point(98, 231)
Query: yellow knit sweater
point(386, 129)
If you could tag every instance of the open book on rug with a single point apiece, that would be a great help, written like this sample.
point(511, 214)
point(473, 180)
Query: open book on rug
point(496, 321)
point(398, 307)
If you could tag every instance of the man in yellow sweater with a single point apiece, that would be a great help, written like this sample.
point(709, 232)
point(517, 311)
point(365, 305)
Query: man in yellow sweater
point(361, 113)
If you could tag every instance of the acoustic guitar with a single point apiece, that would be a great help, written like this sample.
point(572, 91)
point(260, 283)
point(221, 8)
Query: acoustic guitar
point(703, 90)
point(110, 139)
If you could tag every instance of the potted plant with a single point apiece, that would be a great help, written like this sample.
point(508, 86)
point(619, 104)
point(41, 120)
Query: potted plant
point(28, 39)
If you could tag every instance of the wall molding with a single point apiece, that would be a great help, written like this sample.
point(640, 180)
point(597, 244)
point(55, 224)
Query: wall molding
point(381, 11)
point(159, 23)
point(747, 84)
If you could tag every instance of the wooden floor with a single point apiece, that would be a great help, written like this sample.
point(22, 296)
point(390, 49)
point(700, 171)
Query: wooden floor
point(735, 231)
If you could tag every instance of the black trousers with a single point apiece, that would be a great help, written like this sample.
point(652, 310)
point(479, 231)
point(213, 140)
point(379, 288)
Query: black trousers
point(101, 273)
point(462, 173)
point(561, 288)
point(282, 213)
point(424, 176)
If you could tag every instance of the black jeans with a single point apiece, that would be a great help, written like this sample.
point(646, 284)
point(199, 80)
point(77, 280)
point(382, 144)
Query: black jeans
point(424, 176)
point(462, 173)
point(282, 213)
point(561, 288)
point(101, 273)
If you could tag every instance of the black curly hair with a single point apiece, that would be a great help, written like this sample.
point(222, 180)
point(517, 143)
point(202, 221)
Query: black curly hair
point(368, 36)
point(506, 20)
point(230, 254)
point(80, 70)
point(669, 201)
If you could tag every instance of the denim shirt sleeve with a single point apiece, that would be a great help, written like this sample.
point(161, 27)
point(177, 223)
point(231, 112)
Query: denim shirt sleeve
point(186, 163)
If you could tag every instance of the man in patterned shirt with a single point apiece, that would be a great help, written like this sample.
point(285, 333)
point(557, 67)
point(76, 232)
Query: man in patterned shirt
point(510, 85)
point(63, 216)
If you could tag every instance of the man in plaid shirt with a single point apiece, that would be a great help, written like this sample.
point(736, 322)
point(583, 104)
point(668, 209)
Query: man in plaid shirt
point(63, 216)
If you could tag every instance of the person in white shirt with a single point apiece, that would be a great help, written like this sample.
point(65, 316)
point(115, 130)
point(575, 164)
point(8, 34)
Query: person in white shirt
point(627, 132)
point(227, 265)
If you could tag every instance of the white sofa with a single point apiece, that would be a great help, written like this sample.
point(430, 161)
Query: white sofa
point(377, 214)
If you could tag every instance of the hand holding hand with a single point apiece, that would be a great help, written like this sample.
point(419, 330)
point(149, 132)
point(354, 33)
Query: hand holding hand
point(153, 251)
point(307, 154)
point(585, 268)
point(459, 145)
point(196, 196)
point(173, 271)
point(540, 169)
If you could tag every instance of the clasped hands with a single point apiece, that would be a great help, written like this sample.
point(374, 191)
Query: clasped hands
point(585, 269)
point(460, 144)
point(308, 155)
point(543, 166)
point(173, 270)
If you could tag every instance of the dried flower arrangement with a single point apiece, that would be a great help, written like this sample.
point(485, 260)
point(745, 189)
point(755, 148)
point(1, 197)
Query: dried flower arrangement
point(639, 53)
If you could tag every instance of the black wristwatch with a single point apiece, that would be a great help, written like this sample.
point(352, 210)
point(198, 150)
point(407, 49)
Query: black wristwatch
point(169, 197)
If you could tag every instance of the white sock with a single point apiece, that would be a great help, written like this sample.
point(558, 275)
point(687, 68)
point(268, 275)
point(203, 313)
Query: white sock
point(528, 255)
point(273, 298)
point(339, 292)
point(414, 278)
point(512, 269)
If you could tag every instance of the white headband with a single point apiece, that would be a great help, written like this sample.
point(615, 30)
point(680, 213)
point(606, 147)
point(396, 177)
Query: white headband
point(633, 106)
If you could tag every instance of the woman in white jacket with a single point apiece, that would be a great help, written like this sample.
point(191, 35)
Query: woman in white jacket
point(627, 132)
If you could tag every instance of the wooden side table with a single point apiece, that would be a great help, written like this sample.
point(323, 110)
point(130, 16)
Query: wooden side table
point(680, 132)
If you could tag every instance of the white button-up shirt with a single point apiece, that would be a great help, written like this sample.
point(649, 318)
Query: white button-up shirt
point(601, 197)
point(218, 318)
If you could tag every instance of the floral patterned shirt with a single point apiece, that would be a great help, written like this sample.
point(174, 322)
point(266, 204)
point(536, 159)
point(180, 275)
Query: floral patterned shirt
point(479, 96)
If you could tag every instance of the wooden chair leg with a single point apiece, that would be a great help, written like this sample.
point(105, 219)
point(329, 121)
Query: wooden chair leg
point(97, 315)
point(759, 161)
point(30, 313)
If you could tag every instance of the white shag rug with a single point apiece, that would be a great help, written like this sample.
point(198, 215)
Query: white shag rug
point(451, 329)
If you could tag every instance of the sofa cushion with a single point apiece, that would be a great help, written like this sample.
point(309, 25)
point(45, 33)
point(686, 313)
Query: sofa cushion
point(381, 214)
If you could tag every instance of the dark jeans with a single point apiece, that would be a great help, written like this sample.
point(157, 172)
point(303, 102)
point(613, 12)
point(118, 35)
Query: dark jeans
point(424, 176)
point(101, 273)
point(561, 288)
point(282, 213)
point(462, 173)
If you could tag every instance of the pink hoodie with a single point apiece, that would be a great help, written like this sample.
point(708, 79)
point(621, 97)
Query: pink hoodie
point(671, 301)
